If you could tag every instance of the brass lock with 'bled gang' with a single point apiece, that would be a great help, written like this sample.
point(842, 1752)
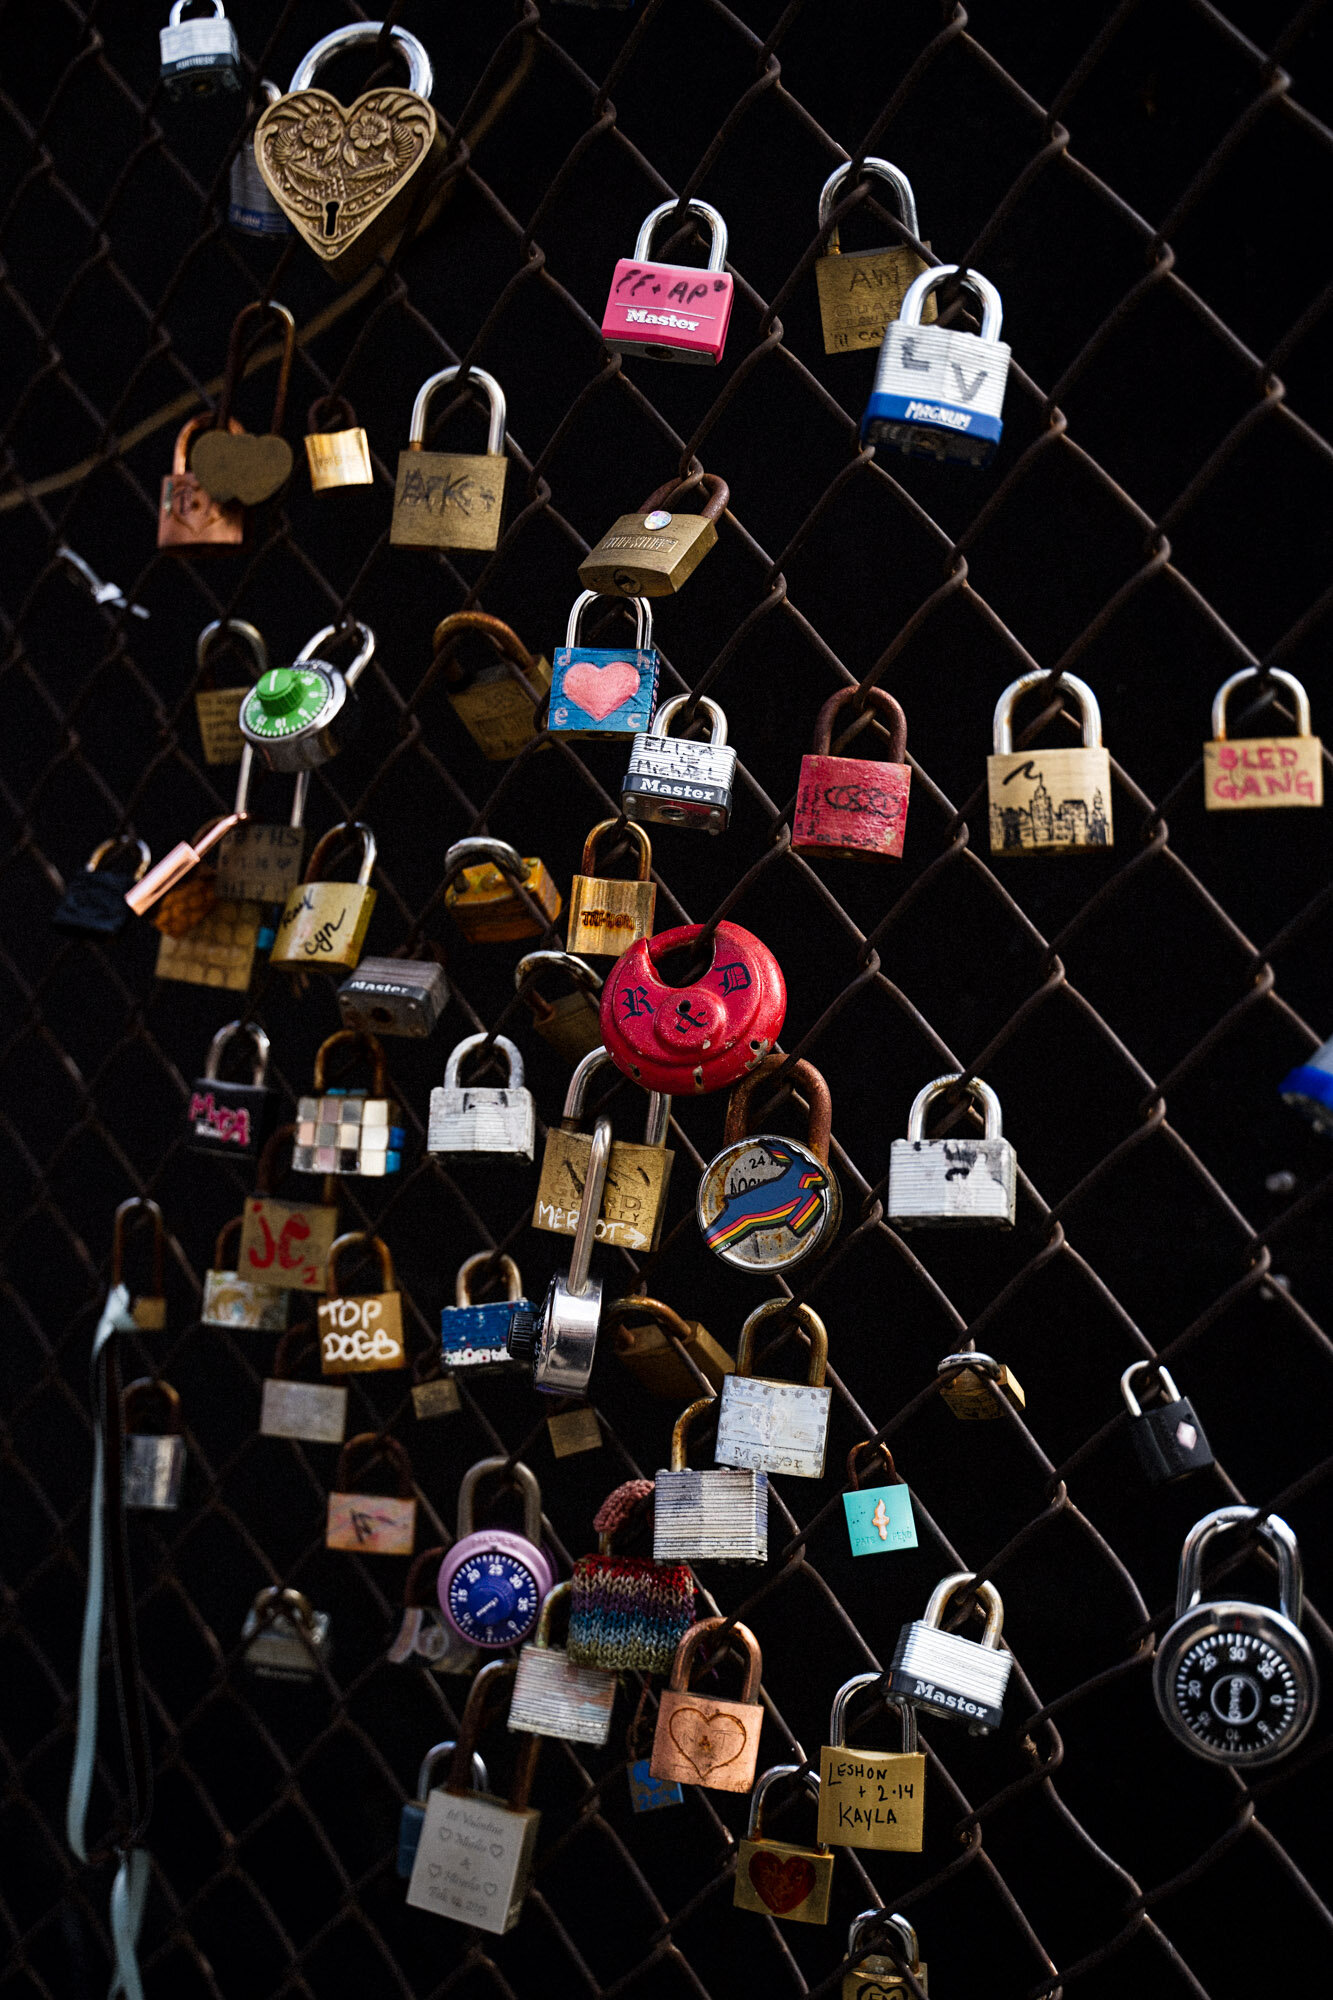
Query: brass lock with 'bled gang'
point(1259, 771)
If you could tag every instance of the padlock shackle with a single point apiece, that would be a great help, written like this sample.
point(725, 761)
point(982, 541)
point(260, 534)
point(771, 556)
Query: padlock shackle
point(981, 1364)
point(309, 653)
point(490, 388)
point(148, 1389)
point(220, 1241)
point(1289, 682)
point(619, 1505)
point(244, 775)
point(316, 417)
point(988, 1597)
point(882, 1920)
point(557, 1598)
point(896, 722)
point(480, 847)
point(847, 1693)
point(582, 974)
point(179, 6)
point(364, 1449)
point(1158, 1368)
point(263, 309)
point(138, 1205)
point(717, 721)
point(871, 169)
point(643, 619)
point(349, 1241)
point(806, 1318)
point(1290, 1579)
point(357, 1038)
point(518, 1476)
point(665, 496)
point(659, 1105)
point(296, 1341)
point(982, 1092)
point(739, 1636)
point(420, 74)
point(481, 1777)
point(336, 837)
point(641, 1307)
point(1002, 727)
point(588, 865)
point(754, 1827)
point(590, 1208)
point(717, 253)
point(282, 1601)
point(250, 636)
point(855, 1475)
point(680, 1431)
point(219, 1042)
point(508, 1271)
point(487, 1698)
point(119, 840)
point(266, 1171)
point(501, 636)
point(920, 289)
point(507, 1049)
point(819, 1126)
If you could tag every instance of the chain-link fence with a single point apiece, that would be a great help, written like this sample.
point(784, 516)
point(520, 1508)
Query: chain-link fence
point(1146, 186)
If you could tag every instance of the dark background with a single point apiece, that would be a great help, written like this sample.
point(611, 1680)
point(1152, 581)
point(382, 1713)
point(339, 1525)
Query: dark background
point(1149, 188)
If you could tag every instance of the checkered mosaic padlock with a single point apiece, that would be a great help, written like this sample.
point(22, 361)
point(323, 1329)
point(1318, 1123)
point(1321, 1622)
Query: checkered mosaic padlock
point(345, 1131)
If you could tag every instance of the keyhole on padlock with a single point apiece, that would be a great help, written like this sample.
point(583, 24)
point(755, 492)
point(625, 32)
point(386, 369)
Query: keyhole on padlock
point(331, 216)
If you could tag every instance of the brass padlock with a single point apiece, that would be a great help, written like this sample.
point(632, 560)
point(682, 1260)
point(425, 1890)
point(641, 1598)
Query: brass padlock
point(871, 1798)
point(774, 1877)
point(361, 1333)
point(372, 1524)
point(285, 1243)
point(217, 951)
point(497, 704)
point(351, 179)
point(968, 1393)
point(607, 916)
point(154, 1460)
point(651, 553)
point(494, 894)
point(876, 1975)
point(314, 1412)
point(451, 499)
point(236, 464)
point(861, 292)
point(634, 1198)
point(650, 1352)
point(323, 924)
point(148, 1309)
point(217, 708)
point(231, 1300)
point(336, 447)
point(1254, 771)
point(572, 1023)
point(1048, 801)
point(775, 1426)
point(188, 517)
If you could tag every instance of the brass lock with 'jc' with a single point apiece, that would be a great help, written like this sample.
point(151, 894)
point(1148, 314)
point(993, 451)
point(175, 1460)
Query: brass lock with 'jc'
point(634, 1197)
point(606, 915)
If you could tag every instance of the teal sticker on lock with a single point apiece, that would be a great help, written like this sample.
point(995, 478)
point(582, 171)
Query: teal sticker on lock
point(879, 1520)
point(650, 1794)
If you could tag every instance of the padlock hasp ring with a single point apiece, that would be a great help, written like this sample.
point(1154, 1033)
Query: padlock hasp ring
point(1289, 682)
point(420, 71)
point(870, 169)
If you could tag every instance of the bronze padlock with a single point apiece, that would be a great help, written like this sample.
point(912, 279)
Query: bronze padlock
point(775, 1878)
point(861, 292)
point(637, 1176)
point(875, 1975)
point(361, 1332)
point(323, 924)
point(217, 708)
point(650, 1353)
point(495, 894)
point(188, 517)
point(336, 457)
point(497, 704)
point(651, 553)
point(572, 1023)
point(451, 499)
point(607, 916)
point(236, 464)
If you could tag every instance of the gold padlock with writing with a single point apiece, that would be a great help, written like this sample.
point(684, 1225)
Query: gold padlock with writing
point(650, 1353)
point(361, 1332)
point(496, 703)
point(861, 291)
point(871, 1798)
point(634, 1193)
point(606, 915)
point(285, 1243)
point(451, 499)
point(1249, 771)
point(772, 1876)
point(338, 454)
point(236, 464)
point(651, 553)
point(495, 894)
point(571, 1024)
point(217, 708)
point(323, 924)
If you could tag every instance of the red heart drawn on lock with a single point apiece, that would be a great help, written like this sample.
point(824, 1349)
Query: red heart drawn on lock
point(783, 1884)
point(708, 1739)
point(600, 691)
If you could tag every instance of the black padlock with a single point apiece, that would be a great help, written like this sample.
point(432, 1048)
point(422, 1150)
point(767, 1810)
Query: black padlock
point(232, 1121)
point(1168, 1439)
point(94, 901)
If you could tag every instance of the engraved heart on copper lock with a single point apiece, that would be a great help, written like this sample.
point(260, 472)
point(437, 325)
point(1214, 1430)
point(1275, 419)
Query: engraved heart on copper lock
point(600, 691)
point(783, 1884)
point(241, 466)
point(333, 169)
point(703, 1735)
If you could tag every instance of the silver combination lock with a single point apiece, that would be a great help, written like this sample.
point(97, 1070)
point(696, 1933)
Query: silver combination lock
point(560, 1341)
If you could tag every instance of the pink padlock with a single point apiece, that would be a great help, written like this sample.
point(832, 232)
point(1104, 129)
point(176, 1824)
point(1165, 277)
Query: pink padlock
point(854, 807)
point(672, 312)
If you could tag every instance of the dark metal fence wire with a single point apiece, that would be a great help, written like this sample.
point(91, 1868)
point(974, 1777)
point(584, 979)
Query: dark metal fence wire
point(1148, 187)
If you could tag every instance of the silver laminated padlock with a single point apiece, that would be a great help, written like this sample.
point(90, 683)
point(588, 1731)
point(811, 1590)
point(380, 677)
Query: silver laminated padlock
point(771, 1426)
point(413, 1815)
point(552, 1695)
point(560, 1341)
point(677, 781)
point(285, 1638)
point(939, 392)
point(481, 1118)
point(949, 1675)
point(394, 996)
point(250, 207)
point(717, 1516)
point(199, 58)
point(154, 1460)
point(952, 1183)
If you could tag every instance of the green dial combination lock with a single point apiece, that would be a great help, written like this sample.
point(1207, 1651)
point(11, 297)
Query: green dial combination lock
point(298, 717)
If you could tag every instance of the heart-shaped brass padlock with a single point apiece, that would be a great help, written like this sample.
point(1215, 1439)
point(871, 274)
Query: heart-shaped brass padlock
point(241, 466)
point(336, 170)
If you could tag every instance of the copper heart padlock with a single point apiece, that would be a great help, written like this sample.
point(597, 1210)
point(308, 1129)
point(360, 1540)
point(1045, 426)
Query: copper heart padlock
point(241, 465)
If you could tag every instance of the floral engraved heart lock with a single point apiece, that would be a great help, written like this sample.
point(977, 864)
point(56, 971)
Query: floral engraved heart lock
point(599, 691)
point(350, 178)
point(671, 312)
point(689, 1039)
point(235, 464)
point(875, 1975)
point(772, 1876)
point(765, 1202)
point(703, 1741)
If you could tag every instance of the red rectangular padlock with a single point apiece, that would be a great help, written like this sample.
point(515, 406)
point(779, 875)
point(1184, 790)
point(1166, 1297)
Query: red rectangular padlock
point(854, 807)
point(672, 312)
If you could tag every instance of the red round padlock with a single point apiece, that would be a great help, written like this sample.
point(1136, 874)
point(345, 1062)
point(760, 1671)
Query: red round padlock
point(686, 1040)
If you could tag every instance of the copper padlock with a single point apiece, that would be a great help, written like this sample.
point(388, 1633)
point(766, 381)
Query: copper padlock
point(236, 464)
point(188, 517)
point(854, 808)
point(700, 1740)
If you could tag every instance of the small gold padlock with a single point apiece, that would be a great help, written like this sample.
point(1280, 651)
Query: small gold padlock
point(495, 894)
point(497, 704)
point(607, 916)
point(651, 553)
point(336, 447)
point(1261, 771)
point(147, 1309)
point(651, 1355)
point(772, 1876)
point(1048, 801)
point(968, 1394)
point(861, 292)
point(572, 1023)
point(876, 1976)
point(451, 499)
point(634, 1194)
point(362, 1332)
point(218, 708)
point(323, 924)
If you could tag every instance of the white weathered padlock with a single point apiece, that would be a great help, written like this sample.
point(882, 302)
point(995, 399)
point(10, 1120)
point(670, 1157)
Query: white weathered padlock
point(199, 58)
point(716, 1516)
point(480, 1118)
point(939, 392)
point(679, 782)
point(952, 1183)
point(285, 1638)
point(553, 1695)
point(947, 1673)
point(154, 1460)
point(559, 1342)
point(773, 1426)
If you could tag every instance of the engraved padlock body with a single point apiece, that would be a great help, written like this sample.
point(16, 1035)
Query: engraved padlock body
point(954, 1183)
point(708, 1516)
point(947, 1674)
point(1235, 1682)
point(775, 1877)
point(650, 1353)
point(229, 1119)
point(1168, 1439)
point(230, 1300)
point(356, 1132)
point(154, 1460)
point(394, 996)
point(674, 781)
point(700, 1739)
point(200, 57)
point(285, 1638)
point(774, 1426)
point(876, 1974)
point(653, 552)
point(854, 808)
point(450, 499)
point(637, 1176)
point(555, 1695)
point(860, 291)
point(492, 1581)
point(670, 312)
point(251, 209)
point(604, 690)
point(561, 1341)
point(871, 1798)
point(483, 1118)
point(1049, 801)
point(484, 877)
point(474, 1860)
point(938, 393)
point(323, 924)
point(570, 1023)
point(217, 710)
point(766, 1202)
point(1248, 772)
point(477, 1336)
point(361, 1332)
point(188, 517)
point(687, 1040)
point(94, 903)
point(300, 716)
point(1309, 1088)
